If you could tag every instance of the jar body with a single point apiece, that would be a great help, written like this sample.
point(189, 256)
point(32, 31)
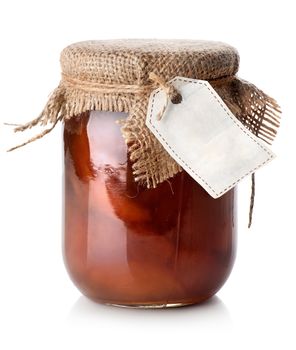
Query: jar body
point(131, 246)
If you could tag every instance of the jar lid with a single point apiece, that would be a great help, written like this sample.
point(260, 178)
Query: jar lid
point(131, 61)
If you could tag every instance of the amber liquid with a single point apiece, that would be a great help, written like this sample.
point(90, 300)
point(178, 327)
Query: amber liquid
point(128, 245)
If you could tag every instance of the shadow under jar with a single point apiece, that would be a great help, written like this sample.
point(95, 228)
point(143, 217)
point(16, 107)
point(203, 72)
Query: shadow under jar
point(128, 245)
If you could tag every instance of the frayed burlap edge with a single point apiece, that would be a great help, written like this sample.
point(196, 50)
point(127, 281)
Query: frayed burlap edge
point(151, 163)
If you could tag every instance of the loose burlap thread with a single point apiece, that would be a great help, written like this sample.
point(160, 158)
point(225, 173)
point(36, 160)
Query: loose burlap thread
point(116, 76)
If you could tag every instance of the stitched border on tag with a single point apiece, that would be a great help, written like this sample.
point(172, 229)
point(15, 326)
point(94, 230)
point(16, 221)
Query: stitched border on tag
point(231, 116)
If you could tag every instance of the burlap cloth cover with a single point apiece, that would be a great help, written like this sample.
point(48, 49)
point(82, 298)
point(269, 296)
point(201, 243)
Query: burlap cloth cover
point(114, 76)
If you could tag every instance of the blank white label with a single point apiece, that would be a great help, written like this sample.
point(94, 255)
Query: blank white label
point(204, 137)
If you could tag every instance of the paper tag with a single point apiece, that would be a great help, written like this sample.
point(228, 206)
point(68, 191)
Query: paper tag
point(204, 137)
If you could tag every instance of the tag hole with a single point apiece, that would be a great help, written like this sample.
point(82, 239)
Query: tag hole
point(176, 98)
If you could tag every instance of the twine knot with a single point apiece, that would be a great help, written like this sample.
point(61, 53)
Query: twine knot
point(171, 92)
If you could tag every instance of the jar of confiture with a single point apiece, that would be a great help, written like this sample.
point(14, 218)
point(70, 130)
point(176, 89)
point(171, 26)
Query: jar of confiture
point(138, 230)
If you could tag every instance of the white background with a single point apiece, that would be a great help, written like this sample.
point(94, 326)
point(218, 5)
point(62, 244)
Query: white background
point(39, 306)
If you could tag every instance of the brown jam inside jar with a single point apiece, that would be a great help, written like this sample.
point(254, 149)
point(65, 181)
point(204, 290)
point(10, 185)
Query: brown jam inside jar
point(128, 245)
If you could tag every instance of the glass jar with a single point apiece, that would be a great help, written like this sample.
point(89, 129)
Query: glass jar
point(128, 245)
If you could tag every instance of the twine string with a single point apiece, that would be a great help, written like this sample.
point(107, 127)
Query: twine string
point(252, 200)
point(171, 93)
point(73, 96)
point(90, 86)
